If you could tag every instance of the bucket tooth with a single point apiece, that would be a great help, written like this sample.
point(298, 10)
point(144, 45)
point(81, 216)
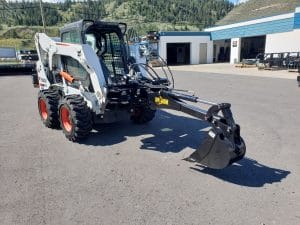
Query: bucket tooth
point(218, 152)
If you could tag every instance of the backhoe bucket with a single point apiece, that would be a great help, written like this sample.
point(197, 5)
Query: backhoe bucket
point(218, 152)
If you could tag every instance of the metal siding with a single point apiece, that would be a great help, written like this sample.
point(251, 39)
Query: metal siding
point(297, 21)
point(277, 26)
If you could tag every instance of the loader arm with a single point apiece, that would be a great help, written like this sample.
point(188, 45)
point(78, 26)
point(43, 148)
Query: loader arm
point(48, 49)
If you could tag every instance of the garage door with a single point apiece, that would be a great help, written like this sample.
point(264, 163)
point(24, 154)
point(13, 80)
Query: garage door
point(252, 46)
point(178, 53)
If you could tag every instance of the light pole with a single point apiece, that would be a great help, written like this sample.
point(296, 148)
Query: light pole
point(43, 18)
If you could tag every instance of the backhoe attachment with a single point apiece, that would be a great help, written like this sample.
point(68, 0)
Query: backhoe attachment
point(223, 144)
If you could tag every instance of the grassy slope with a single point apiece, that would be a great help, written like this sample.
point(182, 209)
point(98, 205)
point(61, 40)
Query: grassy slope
point(254, 9)
point(22, 37)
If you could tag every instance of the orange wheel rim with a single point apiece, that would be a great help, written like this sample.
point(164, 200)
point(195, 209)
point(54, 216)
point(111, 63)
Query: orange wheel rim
point(43, 109)
point(65, 118)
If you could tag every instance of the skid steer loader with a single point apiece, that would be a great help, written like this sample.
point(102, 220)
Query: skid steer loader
point(92, 77)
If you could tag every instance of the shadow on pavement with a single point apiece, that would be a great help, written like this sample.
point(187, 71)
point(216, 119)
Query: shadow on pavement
point(16, 70)
point(166, 133)
point(173, 133)
point(247, 172)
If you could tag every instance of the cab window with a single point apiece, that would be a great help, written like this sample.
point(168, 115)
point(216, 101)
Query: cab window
point(66, 37)
point(91, 40)
point(71, 37)
point(73, 67)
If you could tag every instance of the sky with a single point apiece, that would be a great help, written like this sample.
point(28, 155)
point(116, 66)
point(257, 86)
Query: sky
point(238, 1)
point(42, 0)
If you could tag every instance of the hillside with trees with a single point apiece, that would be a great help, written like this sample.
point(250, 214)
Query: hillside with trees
point(143, 15)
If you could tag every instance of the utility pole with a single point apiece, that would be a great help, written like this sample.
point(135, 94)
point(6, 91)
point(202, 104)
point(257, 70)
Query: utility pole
point(43, 18)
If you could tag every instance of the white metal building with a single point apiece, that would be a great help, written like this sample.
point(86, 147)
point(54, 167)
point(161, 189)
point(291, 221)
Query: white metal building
point(234, 42)
point(274, 34)
point(186, 47)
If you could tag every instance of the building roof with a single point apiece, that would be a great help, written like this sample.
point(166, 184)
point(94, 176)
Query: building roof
point(255, 9)
point(184, 33)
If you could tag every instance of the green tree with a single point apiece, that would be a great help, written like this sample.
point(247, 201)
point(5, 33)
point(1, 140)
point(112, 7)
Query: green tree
point(177, 14)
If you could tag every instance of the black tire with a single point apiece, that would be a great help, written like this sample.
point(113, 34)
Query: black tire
point(75, 117)
point(48, 108)
point(142, 114)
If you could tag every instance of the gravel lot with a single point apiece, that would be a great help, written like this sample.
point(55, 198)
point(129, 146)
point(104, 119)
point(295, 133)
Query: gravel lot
point(130, 174)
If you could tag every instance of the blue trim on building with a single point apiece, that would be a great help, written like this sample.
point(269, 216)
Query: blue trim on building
point(253, 19)
point(277, 26)
point(297, 21)
point(183, 33)
point(258, 29)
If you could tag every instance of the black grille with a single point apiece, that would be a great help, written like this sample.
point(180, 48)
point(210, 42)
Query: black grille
point(113, 58)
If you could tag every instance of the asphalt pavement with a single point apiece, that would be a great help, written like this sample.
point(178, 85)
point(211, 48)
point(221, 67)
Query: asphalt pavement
point(131, 174)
